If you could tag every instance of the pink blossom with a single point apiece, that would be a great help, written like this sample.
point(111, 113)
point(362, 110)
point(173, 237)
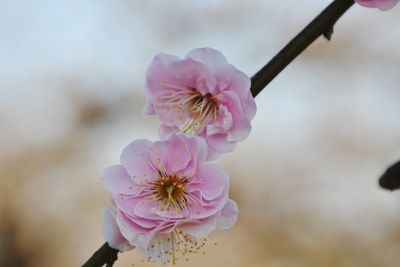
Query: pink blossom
point(203, 95)
point(381, 4)
point(167, 199)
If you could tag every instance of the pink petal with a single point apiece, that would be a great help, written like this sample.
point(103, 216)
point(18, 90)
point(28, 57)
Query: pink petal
point(217, 144)
point(241, 125)
point(158, 156)
point(213, 154)
point(198, 148)
point(228, 216)
point(144, 223)
point(178, 156)
point(250, 109)
point(237, 82)
point(210, 57)
point(199, 228)
point(124, 203)
point(112, 233)
point(117, 181)
point(195, 75)
point(171, 214)
point(233, 80)
point(198, 151)
point(381, 4)
point(167, 74)
point(223, 123)
point(134, 159)
point(170, 115)
point(203, 208)
point(145, 209)
point(158, 75)
point(149, 109)
point(129, 230)
point(166, 131)
point(367, 3)
point(211, 181)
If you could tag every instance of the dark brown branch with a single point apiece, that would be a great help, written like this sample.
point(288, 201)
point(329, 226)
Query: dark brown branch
point(391, 178)
point(321, 25)
point(104, 255)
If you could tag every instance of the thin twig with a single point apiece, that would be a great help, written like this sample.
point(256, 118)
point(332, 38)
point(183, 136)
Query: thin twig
point(104, 255)
point(321, 25)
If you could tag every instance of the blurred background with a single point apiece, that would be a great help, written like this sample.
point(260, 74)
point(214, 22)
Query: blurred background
point(71, 86)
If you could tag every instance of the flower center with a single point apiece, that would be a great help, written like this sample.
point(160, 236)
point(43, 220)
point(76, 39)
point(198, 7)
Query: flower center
point(169, 190)
point(200, 109)
point(203, 109)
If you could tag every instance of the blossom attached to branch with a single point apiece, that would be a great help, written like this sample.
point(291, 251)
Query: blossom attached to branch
point(202, 95)
point(167, 199)
point(124, 227)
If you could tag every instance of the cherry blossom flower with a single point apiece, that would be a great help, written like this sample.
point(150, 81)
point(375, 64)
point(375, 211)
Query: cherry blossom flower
point(167, 199)
point(203, 95)
point(381, 4)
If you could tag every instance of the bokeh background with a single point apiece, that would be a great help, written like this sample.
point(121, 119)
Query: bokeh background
point(71, 97)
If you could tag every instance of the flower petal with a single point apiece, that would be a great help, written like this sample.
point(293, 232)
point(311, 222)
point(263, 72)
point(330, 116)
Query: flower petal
point(145, 209)
point(211, 181)
point(198, 151)
point(241, 125)
point(112, 233)
point(144, 216)
point(125, 204)
point(149, 109)
point(158, 76)
point(117, 181)
point(233, 80)
point(381, 4)
point(134, 159)
point(199, 228)
point(223, 123)
point(210, 57)
point(179, 155)
point(168, 74)
point(217, 144)
point(228, 216)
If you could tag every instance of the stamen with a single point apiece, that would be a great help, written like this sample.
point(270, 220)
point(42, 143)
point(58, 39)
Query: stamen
point(172, 86)
point(173, 248)
point(201, 109)
point(170, 192)
point(173, 243)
